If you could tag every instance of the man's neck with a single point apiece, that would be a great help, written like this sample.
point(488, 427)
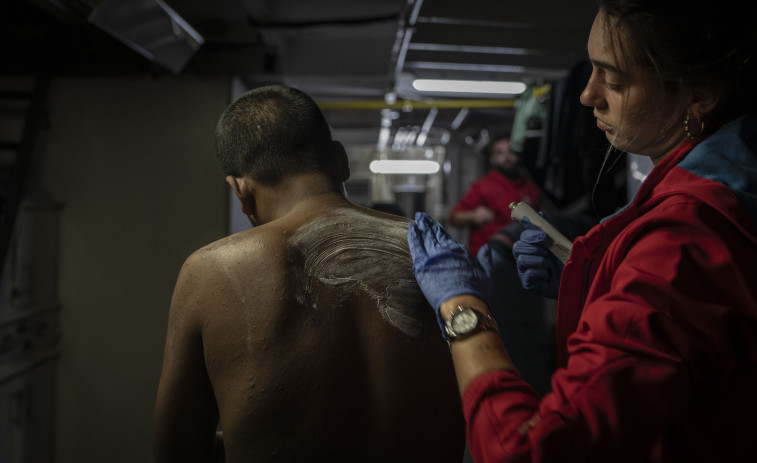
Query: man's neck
point(298, 194)
point(512, 174)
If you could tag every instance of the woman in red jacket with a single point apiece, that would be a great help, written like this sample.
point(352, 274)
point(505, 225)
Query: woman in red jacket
point(657, 307)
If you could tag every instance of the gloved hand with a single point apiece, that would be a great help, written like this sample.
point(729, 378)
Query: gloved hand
point(443, 267)
point(539, 270)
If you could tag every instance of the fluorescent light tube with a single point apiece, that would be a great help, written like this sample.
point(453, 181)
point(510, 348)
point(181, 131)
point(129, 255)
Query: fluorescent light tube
point(469, 86)
point(403, 166)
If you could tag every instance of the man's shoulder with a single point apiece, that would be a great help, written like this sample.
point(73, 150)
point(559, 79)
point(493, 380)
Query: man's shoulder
point(350, 224)
point(365, 215)
point(250, 243)
point(276, 239)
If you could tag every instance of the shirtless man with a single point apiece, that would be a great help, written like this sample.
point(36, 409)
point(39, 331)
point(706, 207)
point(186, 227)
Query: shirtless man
point(307, 334)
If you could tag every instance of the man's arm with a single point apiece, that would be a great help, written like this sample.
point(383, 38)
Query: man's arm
point(470, 209)
point(186, 414)
point(481, 215)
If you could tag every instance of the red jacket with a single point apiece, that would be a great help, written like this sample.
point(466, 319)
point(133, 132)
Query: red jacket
point(496, 192)
point(656, 328)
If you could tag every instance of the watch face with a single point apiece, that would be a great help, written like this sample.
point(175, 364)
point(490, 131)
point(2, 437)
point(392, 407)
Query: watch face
point(464, 322)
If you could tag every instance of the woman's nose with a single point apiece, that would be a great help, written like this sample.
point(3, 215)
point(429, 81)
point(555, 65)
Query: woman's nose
point(592, 94)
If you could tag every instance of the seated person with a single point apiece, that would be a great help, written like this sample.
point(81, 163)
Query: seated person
point(485, 207)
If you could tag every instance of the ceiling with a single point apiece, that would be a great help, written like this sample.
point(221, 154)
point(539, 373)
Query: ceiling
point(357, 58)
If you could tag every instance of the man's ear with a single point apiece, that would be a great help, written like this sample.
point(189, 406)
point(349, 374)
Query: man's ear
point(343, 161)
point(245, 190)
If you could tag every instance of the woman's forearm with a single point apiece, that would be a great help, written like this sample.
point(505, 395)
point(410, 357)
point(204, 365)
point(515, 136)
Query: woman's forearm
point(480, 353)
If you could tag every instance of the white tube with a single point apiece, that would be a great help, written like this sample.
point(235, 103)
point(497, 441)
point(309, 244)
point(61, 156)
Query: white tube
point(526, 215)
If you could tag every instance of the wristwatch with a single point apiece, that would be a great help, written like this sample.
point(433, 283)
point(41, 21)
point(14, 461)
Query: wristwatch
point(466, 321)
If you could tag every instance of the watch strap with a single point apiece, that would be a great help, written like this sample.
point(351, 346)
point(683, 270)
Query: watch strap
point(485, 322)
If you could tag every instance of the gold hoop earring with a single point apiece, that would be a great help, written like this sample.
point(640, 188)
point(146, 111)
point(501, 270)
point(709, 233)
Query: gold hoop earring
point(688, 130)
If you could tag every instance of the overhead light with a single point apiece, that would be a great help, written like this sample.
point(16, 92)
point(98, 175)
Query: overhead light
point(403, 166)
point(469, 86)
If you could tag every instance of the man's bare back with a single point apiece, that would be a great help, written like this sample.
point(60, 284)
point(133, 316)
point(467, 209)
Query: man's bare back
point(307, 334)
point(318, 344)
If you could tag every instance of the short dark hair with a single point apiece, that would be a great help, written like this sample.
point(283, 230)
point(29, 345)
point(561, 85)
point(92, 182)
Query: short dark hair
point(691, 45)
point(272, 132)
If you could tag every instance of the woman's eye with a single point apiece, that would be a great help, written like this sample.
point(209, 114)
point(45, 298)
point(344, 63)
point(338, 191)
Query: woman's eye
point(611, 86)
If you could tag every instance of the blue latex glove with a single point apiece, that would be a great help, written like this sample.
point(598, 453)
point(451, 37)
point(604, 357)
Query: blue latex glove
point(539, 270)
point(443, 267)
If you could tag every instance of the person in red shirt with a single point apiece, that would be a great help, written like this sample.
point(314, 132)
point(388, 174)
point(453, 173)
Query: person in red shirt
point(485, 208)
point(656, 330)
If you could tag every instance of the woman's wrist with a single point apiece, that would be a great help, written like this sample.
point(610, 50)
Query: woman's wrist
point(477, 354)
point(469, 300)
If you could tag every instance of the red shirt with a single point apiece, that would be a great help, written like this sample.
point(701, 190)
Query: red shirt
point(496, 192)
point(656, 328)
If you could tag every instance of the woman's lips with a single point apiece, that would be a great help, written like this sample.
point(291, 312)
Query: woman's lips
point(603, 126)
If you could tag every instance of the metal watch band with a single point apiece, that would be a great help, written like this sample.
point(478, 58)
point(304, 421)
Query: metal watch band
point(470, 326)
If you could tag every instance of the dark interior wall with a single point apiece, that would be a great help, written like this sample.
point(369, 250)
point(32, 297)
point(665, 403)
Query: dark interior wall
point(131, 159)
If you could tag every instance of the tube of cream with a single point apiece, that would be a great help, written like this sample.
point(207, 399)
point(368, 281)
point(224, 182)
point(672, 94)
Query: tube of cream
point(526, 215)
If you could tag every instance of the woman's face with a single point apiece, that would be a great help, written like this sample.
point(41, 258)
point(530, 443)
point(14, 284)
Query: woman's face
point(636, 117)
